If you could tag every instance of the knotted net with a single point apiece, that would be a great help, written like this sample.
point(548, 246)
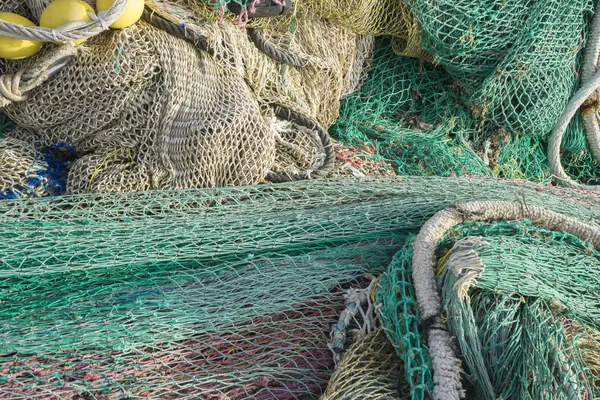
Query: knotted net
point(222, 293)
point(148, 110)
point(519, 302)
point(501, 77)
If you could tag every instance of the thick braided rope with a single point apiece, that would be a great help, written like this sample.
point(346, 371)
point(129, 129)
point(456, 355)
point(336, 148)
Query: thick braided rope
point(557, 134)
point(178, 30)
point(68, 32)
point(321, 170)
point(446, 365)
point(280, 55)
point(589, 67)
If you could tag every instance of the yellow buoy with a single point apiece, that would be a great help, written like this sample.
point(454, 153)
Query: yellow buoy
point(16, 49)
point(132, 14)
point(60, 12)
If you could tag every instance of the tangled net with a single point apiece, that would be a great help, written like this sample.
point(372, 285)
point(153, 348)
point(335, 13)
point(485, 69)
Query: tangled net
point(196, 294)
point(147, 110)
point(470, 114)
point(301, 290)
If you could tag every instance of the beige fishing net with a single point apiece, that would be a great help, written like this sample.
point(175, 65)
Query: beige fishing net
point(146, 109)
point(365, 17)
point(21, 170)
point(370, 369)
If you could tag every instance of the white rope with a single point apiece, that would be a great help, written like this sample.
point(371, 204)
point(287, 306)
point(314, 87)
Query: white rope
point(590, 83)
point(65, 33)
point(589, 67)
point(14, 87)
point(557, 134)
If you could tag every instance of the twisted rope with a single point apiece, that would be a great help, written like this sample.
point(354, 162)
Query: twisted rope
point(589, 67)
point(447, 368)
point(178, 30)
point(280, 55)
point(68, 32)
point(324, 167)
point(14, 87)
point(557, 134)
point(590, 80)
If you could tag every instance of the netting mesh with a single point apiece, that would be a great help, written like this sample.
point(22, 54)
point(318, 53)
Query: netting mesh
point(195, 294)
point(513, 323)
point(417, 117)
point(370, 369)
point(499, 52)
point(146, 110)
point(244, 292)
point(365, 17)
point(520, 303)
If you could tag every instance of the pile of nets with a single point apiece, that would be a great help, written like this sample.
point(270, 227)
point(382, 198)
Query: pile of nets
point(477, 92)
point(519, 302)
point(335, 289)
point(501, 77)
point(146, 109)
point(233, 293)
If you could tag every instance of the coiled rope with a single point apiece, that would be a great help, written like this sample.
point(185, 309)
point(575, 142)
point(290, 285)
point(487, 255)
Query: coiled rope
point(318, 170)
point(14, 86)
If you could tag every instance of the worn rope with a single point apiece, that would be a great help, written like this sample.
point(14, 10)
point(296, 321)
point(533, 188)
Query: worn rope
point(589, 67)
point(320, 170)
point(446, 365)
point(278, 54)
point(588, 101)
point(68, 32)
point(178, 30)
point(14, 86)
point(557, 134)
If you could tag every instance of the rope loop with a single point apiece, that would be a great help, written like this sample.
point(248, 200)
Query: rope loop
point(14, 87)
point(10, 87)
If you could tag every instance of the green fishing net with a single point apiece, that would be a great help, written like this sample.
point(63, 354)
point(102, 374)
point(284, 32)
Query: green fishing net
point(501, 77)
point(236, 293)
point(521, 304)
point(222, 293)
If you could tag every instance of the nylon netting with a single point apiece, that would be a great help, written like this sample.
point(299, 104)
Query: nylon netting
point(147, 110)
point(365, 17)
point(423, 120)
point(417, 117)
point(298, 290)
point(370, 369)
point(195, 293)
point(520, 303)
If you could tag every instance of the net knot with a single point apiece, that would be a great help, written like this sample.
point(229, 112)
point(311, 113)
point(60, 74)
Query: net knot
point(101, 18)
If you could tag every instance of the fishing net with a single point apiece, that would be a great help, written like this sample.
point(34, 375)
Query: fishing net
point(145, 109)
point(22, 171)
point(470, 112)
point(297, 290)
point(517, 59)
point(520, 304)
point(514, 321)
point(196, 293)
point(364, 17)
point(370, 369)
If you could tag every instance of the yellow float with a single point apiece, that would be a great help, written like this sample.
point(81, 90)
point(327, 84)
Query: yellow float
point(60, 12)
point(132, 14)
point(16, 49)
